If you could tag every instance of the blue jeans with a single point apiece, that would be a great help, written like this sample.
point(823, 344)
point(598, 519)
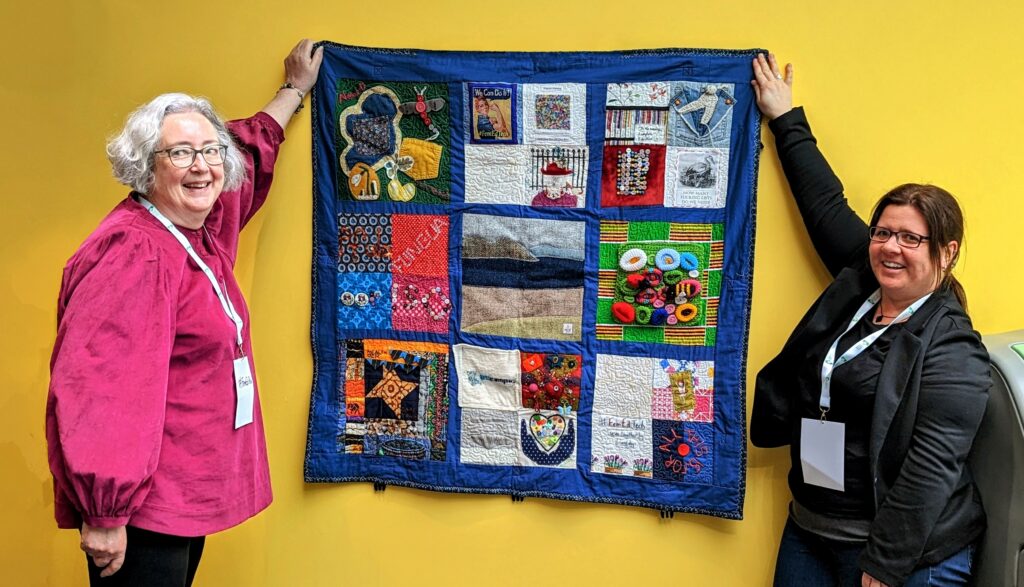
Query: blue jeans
point(808, 560)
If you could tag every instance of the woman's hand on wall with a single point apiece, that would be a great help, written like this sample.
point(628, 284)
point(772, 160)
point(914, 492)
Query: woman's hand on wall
point(773, 90)
point(301, 68)
point(302, 65)
point(106, 546)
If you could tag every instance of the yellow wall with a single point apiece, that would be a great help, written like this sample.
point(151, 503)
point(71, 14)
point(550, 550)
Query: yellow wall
point(898, 91)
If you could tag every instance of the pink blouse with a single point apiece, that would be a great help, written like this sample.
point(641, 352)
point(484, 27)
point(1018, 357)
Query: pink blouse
point(141, 407)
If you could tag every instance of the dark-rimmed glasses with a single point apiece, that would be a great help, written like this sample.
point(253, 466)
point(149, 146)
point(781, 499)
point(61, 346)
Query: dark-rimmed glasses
point(183, 157)
point(909, 240)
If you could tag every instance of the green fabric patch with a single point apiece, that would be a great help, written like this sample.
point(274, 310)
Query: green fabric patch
point(648, 231)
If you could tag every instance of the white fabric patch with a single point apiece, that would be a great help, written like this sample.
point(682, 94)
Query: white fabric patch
point(496, 174)
point(643, 94)
point(488, 378)
point(555, 114)
point(621, 446)
point(489, 437)
point(622, 386)
point(696, 178)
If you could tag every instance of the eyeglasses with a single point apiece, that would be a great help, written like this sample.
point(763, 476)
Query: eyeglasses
point(184, 156)
point(909, 240)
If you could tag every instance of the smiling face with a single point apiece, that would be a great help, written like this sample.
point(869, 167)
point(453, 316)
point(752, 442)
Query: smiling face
point(187, 195)
point(906, 274)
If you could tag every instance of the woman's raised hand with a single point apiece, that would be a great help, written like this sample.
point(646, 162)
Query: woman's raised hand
point(773, 90)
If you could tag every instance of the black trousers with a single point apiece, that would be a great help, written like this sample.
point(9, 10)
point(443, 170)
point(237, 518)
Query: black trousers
point(153, 560)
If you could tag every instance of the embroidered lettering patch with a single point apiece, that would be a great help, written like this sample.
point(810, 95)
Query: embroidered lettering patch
point(683, 452)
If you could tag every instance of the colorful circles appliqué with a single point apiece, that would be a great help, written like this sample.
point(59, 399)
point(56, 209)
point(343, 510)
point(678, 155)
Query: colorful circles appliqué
point(688, 261)
point(633, 260)
point(667, 259)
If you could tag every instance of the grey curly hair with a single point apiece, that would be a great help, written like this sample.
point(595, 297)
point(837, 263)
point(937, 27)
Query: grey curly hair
point(131, 151)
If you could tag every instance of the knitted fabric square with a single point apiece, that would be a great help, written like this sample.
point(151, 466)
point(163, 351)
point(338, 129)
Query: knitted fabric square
point(621, 446)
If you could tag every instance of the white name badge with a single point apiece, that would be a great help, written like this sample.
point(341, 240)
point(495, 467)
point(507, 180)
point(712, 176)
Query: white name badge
point(245, 392)
point(822, 456)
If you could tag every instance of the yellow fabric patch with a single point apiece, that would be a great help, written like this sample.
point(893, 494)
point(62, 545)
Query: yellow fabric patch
point(426, 158)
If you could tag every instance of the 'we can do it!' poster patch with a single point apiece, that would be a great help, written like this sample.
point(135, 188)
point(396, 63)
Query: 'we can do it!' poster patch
point(532, 273)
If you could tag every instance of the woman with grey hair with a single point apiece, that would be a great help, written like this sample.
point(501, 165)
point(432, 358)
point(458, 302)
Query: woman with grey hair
point(153, 423)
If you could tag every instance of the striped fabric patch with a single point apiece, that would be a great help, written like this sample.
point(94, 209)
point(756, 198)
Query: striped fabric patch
point(678, 231)
point(614, 231)
point(685, 336)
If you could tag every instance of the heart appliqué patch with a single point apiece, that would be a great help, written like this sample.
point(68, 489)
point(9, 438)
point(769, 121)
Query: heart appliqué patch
point(547, 430)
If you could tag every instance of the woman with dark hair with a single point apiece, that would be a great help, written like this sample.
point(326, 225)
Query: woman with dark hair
point(881, 387)
point(153, 423)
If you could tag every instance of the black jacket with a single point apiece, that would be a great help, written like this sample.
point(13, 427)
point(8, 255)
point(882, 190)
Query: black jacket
point(932, 388)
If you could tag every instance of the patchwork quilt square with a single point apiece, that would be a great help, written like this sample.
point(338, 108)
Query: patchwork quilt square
point(659, 282)
point(547, 439)
point(393, 272)
point(522, 277)
point(396, 399)
point(551, 381)
point(393, 140)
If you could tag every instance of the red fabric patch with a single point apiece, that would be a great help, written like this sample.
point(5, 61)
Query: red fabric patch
point(419, 245)
point(654, 195)
point(420, 303)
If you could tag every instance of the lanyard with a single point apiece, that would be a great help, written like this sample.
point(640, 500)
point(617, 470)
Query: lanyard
point(225, 301)
point(830, 362)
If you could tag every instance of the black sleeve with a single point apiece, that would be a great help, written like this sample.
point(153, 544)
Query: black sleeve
point(839, 236)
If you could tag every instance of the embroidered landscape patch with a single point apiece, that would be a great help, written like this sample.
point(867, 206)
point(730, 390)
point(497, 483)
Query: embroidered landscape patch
point(532, 273)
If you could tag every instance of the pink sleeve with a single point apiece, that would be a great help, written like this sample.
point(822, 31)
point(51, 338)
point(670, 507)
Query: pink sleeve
point(109, 371)
point(259, 138)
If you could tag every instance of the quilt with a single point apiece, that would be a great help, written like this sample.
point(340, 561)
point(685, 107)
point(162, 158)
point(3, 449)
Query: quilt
point(532, 273)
